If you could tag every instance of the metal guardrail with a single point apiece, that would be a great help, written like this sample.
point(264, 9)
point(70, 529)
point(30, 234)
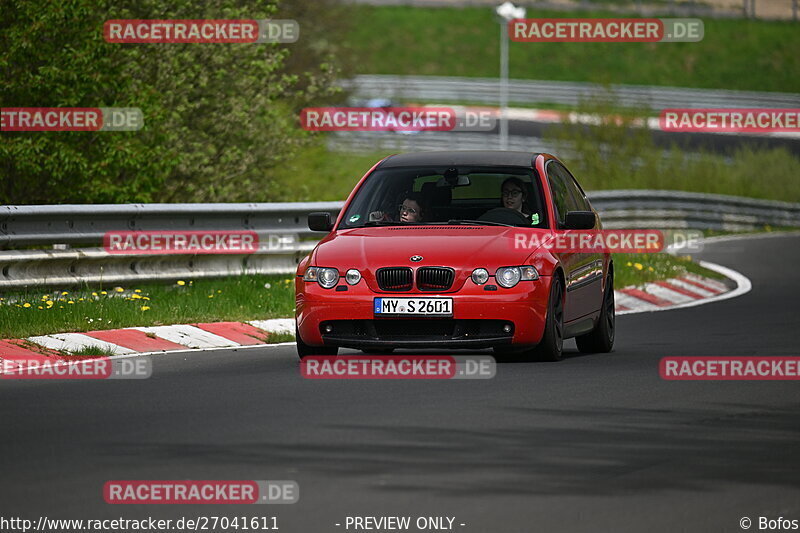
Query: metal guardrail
point(487, 91)
point(677, 209)
point(86, 224)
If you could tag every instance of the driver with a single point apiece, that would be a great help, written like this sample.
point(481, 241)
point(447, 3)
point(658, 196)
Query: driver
point(514, 196)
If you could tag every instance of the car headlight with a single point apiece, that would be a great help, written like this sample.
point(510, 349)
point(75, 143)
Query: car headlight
point(326, 277)
point(509, 276)
point(480, 276)
point(353, 276)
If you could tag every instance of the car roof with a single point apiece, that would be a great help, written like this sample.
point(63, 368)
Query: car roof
point(489, 158)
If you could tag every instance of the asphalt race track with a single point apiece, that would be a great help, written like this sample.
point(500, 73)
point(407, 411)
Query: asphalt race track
point(594, 443)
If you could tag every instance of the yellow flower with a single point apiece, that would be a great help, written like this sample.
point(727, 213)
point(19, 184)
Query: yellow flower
point(138, 290)
point(94, 294)
point(119, 289)
point(49, 302)
point(219, 291)
point(145, 307)
point(40, 307)
point(103, 293)
point(210, 295)
point(145, 297)
point(26, 304)
point(135, 297)
point(651, 269)
point(70, 302)
point(637, 266)
point(64, 293)
point(181, 282)
point(80, 299)
point(629, 264)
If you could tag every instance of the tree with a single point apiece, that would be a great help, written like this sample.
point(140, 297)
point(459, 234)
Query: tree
point(216, 115)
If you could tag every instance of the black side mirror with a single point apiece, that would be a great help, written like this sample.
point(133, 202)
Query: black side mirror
point(579, 220)
point(320, 221)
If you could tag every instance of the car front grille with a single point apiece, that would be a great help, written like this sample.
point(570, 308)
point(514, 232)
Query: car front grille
point(435, 278)
point(394, 279)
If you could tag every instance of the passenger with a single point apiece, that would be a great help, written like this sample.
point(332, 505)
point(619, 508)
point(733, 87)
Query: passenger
point(412, 209)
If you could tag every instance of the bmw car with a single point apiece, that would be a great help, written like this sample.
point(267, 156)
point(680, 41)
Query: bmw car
point(433, 251)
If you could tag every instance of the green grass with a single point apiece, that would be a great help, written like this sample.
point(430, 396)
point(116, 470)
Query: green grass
point(27, 313)
point(637, 269)
point(92, 351)
point(317, 175)
point(739, 54)
point(276, 338)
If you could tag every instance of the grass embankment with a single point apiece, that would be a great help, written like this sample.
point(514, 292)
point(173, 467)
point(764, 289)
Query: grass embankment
point(741, 54)
point(24, 314)
point(636, 269)
point(27, 313)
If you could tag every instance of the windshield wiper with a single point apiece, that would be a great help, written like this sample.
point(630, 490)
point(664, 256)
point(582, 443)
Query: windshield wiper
point(479, 223)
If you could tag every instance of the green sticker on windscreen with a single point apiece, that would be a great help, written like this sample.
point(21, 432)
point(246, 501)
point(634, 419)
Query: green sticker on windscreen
point(534, 219)
point(355, 218)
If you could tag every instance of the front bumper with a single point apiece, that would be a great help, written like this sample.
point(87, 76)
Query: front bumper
point(481, 319)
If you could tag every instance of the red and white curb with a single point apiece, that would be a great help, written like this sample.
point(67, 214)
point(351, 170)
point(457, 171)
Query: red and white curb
point(686, 291)
point(147, 340)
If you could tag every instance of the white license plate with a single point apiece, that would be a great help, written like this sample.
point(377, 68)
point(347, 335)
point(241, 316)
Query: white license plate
point(414, 306)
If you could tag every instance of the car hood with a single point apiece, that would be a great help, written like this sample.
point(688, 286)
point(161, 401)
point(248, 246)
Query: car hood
point(460, 247)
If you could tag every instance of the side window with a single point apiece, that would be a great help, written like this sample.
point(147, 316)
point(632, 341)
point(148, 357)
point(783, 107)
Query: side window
point(562, 200)
point(580, 199)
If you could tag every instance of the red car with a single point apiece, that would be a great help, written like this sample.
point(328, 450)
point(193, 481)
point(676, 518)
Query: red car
point(429, 252)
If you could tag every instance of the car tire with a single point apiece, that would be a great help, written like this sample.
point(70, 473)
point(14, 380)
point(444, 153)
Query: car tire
point(304, 350)
point(601, 338)
point(550, 348)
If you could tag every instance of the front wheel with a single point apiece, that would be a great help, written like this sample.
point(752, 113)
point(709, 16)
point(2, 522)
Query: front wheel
point(601, 338)
point(551, 345)
point(304, 350)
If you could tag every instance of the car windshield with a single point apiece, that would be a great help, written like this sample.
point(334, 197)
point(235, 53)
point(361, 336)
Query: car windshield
point(505, 196)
